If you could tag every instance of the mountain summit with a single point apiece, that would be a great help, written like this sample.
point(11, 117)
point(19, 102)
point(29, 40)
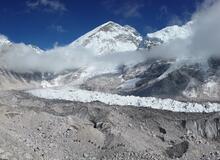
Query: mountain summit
point(109, 38)
point(170, 33)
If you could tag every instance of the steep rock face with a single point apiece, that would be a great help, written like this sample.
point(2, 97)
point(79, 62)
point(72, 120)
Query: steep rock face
point(11, 80)
point(168, 79)
point(109, 38)
point(207, 128)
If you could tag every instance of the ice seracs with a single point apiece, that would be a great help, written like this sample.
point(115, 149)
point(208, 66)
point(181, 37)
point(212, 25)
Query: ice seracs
point(71, 94)
point(110, 38)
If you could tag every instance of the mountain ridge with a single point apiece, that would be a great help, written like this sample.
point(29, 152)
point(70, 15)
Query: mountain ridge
point(108, 38)
point(112, 37)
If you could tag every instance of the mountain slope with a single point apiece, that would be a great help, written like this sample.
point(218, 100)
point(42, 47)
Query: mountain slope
point(167, 34)
point(5, 43)
point(10, 79)
point(109, 38)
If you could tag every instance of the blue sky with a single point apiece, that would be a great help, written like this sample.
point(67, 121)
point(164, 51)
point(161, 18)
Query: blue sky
point(45, 23)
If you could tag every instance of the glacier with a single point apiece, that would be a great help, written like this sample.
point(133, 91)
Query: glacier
point(79, 95)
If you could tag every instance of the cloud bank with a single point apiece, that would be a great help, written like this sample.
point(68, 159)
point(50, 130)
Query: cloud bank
point(124, 8)
point(22, 58)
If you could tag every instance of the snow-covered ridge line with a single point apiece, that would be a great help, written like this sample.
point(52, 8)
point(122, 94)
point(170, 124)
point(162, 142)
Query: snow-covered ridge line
point(109, 38)
point(114, 99)
point(172, 32)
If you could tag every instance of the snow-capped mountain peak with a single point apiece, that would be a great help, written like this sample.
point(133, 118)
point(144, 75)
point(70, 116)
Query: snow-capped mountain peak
point(109, 38)
point(172, 32)
point(168, 34)
point(5, 42)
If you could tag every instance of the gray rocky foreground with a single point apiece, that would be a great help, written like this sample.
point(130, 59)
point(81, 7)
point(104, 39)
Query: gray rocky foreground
point(34, 128)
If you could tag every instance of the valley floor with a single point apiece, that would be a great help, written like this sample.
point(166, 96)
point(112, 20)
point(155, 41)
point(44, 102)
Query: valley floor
point(36, 128)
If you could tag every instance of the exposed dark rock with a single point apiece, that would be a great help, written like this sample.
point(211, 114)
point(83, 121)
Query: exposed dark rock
point(208, 128)
point(162, 130)
point(177, 151)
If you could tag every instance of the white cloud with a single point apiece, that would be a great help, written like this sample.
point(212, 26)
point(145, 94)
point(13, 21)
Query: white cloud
point(163, 11)
point(175, 20)
point(205, 38)
point(124, 8)
point(23, 58)
point(57, 28)
point(50, 5)
point(130, 10)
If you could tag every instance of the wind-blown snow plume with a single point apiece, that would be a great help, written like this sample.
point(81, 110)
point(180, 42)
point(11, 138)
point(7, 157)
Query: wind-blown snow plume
point(205, 37)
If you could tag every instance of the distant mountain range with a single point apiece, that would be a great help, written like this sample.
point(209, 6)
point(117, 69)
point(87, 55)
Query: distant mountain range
point(112, 37)
point(154, 77)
